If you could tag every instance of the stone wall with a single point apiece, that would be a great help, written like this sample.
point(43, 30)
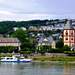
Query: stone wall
point(53, 54)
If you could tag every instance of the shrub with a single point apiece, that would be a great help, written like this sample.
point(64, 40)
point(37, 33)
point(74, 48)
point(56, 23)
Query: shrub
point(35, 58)
point(22, 52)
point(53, 59)
point(42, 59)
point(59, 44)
point(60, 59)
point(25, 56)
point(66, 48)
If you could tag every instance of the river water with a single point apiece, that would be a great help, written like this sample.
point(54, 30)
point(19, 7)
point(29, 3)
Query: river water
point(36, 69)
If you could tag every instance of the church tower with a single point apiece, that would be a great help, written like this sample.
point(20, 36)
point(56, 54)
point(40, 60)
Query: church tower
point(69, 34)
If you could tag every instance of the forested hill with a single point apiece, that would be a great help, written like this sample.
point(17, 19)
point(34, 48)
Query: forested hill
point(7, 26)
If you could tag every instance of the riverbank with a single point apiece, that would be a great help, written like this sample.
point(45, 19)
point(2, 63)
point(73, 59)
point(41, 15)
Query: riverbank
point(54, 59)
point(65, 62)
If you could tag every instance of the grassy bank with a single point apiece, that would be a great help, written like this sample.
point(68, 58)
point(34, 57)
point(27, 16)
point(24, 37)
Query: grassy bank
point(69, 59)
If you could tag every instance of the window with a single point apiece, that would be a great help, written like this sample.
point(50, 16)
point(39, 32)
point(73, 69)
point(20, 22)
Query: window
point(66, 33)
point(16, 44)
point(66, 39)
point(5, 44)
point(72, 33)
point(13, 44)
point(71, 38)
point(8, 44)
point(2, 44)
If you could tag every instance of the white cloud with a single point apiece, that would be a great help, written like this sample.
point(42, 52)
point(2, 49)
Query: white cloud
point(5, 13)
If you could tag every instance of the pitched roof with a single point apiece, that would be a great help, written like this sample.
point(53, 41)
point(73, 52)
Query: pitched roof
point(68, 25)
point(50, 40)
point(57, 34)
point(9, 40)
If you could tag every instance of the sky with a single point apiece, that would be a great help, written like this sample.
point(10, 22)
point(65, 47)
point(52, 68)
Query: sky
point(24, 10)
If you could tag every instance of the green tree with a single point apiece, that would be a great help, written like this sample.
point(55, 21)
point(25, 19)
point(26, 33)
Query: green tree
point(59, 44)
point(20, 34)
point(44, 48)
point(54, 38)
point(66, 48)
point(7, 49)
point(28, 47)
point(58, 30)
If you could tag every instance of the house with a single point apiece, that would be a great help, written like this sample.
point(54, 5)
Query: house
point(50, 27)
point(46, 41)
point(57, 35)
point(32, 34)
point(59, 24)
point(23, 28)
point(10, 42)
point(39, 28)
point(69, 34)
point(58, 27)
point(15, 28)
point(32, 27)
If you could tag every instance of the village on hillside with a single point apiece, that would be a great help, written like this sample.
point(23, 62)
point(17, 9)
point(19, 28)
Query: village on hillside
point(56, 38)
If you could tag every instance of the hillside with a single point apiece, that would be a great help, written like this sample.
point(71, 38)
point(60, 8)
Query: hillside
point(7, 26)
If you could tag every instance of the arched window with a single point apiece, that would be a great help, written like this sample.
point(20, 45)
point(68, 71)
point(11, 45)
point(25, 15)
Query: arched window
point(66, 39)
point(71, 33)
point(66, 33)
point(71, 38)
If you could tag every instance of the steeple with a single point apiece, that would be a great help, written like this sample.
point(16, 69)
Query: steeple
point(68, 25)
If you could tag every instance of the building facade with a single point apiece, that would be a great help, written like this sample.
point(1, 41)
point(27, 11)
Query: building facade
point(46, 41)
point(69, 35)
point(10, 42)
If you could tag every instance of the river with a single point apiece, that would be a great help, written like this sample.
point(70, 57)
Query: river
point(36, 69)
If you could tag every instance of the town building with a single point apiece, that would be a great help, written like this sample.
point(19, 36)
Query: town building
point(15, 28)
point(23, 28)
point(48, 28)
point(10, 42)
point(46, 41)
point(57, 35)
point(32, 27)
point(69, 34)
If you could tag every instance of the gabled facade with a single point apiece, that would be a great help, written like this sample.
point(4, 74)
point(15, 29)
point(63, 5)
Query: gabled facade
point(69, 34)
point(46, 41)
